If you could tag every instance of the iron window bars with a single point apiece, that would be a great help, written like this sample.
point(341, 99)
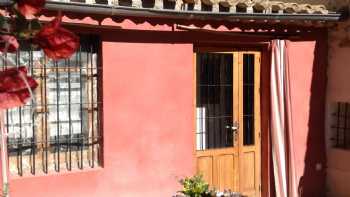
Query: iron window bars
point(214, 100)
point(60, 129)
point(341, 126)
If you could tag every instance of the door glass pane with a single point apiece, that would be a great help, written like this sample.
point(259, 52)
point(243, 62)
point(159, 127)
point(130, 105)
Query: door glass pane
point(214, 101)
point(248, 99)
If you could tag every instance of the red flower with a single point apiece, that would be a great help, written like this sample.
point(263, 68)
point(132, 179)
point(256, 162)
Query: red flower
point(56, 41)
point(30, 7)
point(13, 88)
point(10, 42)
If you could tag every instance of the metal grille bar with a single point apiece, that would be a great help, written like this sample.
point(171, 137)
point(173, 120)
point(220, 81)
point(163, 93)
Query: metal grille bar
point(59, 130)
point(341, 126)
point(214, 101)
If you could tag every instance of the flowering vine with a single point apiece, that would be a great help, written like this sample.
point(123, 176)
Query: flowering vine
point(19, 21)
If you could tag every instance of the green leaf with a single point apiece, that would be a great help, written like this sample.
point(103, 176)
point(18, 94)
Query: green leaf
point(5, 24)
point(26, 29)
point(194, 186)
point(35, 25)
point(18, 14)
point(2, 20)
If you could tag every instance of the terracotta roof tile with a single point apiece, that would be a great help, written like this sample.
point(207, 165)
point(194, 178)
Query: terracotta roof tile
point(248, 6)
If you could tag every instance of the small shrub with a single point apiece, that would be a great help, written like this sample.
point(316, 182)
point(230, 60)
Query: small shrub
point(195, 187)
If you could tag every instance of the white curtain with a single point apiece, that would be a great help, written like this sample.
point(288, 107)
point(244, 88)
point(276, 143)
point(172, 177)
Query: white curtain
point(283, 152)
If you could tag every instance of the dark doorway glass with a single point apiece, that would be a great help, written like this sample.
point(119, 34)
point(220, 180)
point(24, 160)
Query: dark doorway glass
point(248, 99)
point(214, 100)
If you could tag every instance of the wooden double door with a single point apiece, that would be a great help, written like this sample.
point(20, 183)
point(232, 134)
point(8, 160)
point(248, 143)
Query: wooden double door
point(228, 120)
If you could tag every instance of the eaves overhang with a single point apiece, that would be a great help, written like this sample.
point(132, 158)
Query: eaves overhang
point(248, 14)
point(105, 10)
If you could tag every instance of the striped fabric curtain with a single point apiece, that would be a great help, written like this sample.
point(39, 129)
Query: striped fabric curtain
point(281, 123)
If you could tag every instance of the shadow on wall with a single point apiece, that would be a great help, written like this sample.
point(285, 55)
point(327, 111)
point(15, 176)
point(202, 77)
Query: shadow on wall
point(312, 183)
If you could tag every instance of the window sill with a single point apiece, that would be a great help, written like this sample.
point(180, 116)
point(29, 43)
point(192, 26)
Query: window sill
point(96, 169)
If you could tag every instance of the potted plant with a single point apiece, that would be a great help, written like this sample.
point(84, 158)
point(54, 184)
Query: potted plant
point(195, 187)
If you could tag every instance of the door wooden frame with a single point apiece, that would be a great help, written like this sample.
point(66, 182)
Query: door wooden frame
point(257, 116)
point(236, 117)
point(263, 108)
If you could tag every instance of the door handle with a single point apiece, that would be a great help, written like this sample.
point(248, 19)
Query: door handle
point(235, 127)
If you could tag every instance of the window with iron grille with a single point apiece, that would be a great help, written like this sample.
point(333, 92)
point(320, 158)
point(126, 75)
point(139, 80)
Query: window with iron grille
point(341, 125)
point(60, 129)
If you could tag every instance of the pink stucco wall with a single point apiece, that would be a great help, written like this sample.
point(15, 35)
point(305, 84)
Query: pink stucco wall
point(148, 123)
point(308, 64)
point(338, 172)
point(148, 126)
